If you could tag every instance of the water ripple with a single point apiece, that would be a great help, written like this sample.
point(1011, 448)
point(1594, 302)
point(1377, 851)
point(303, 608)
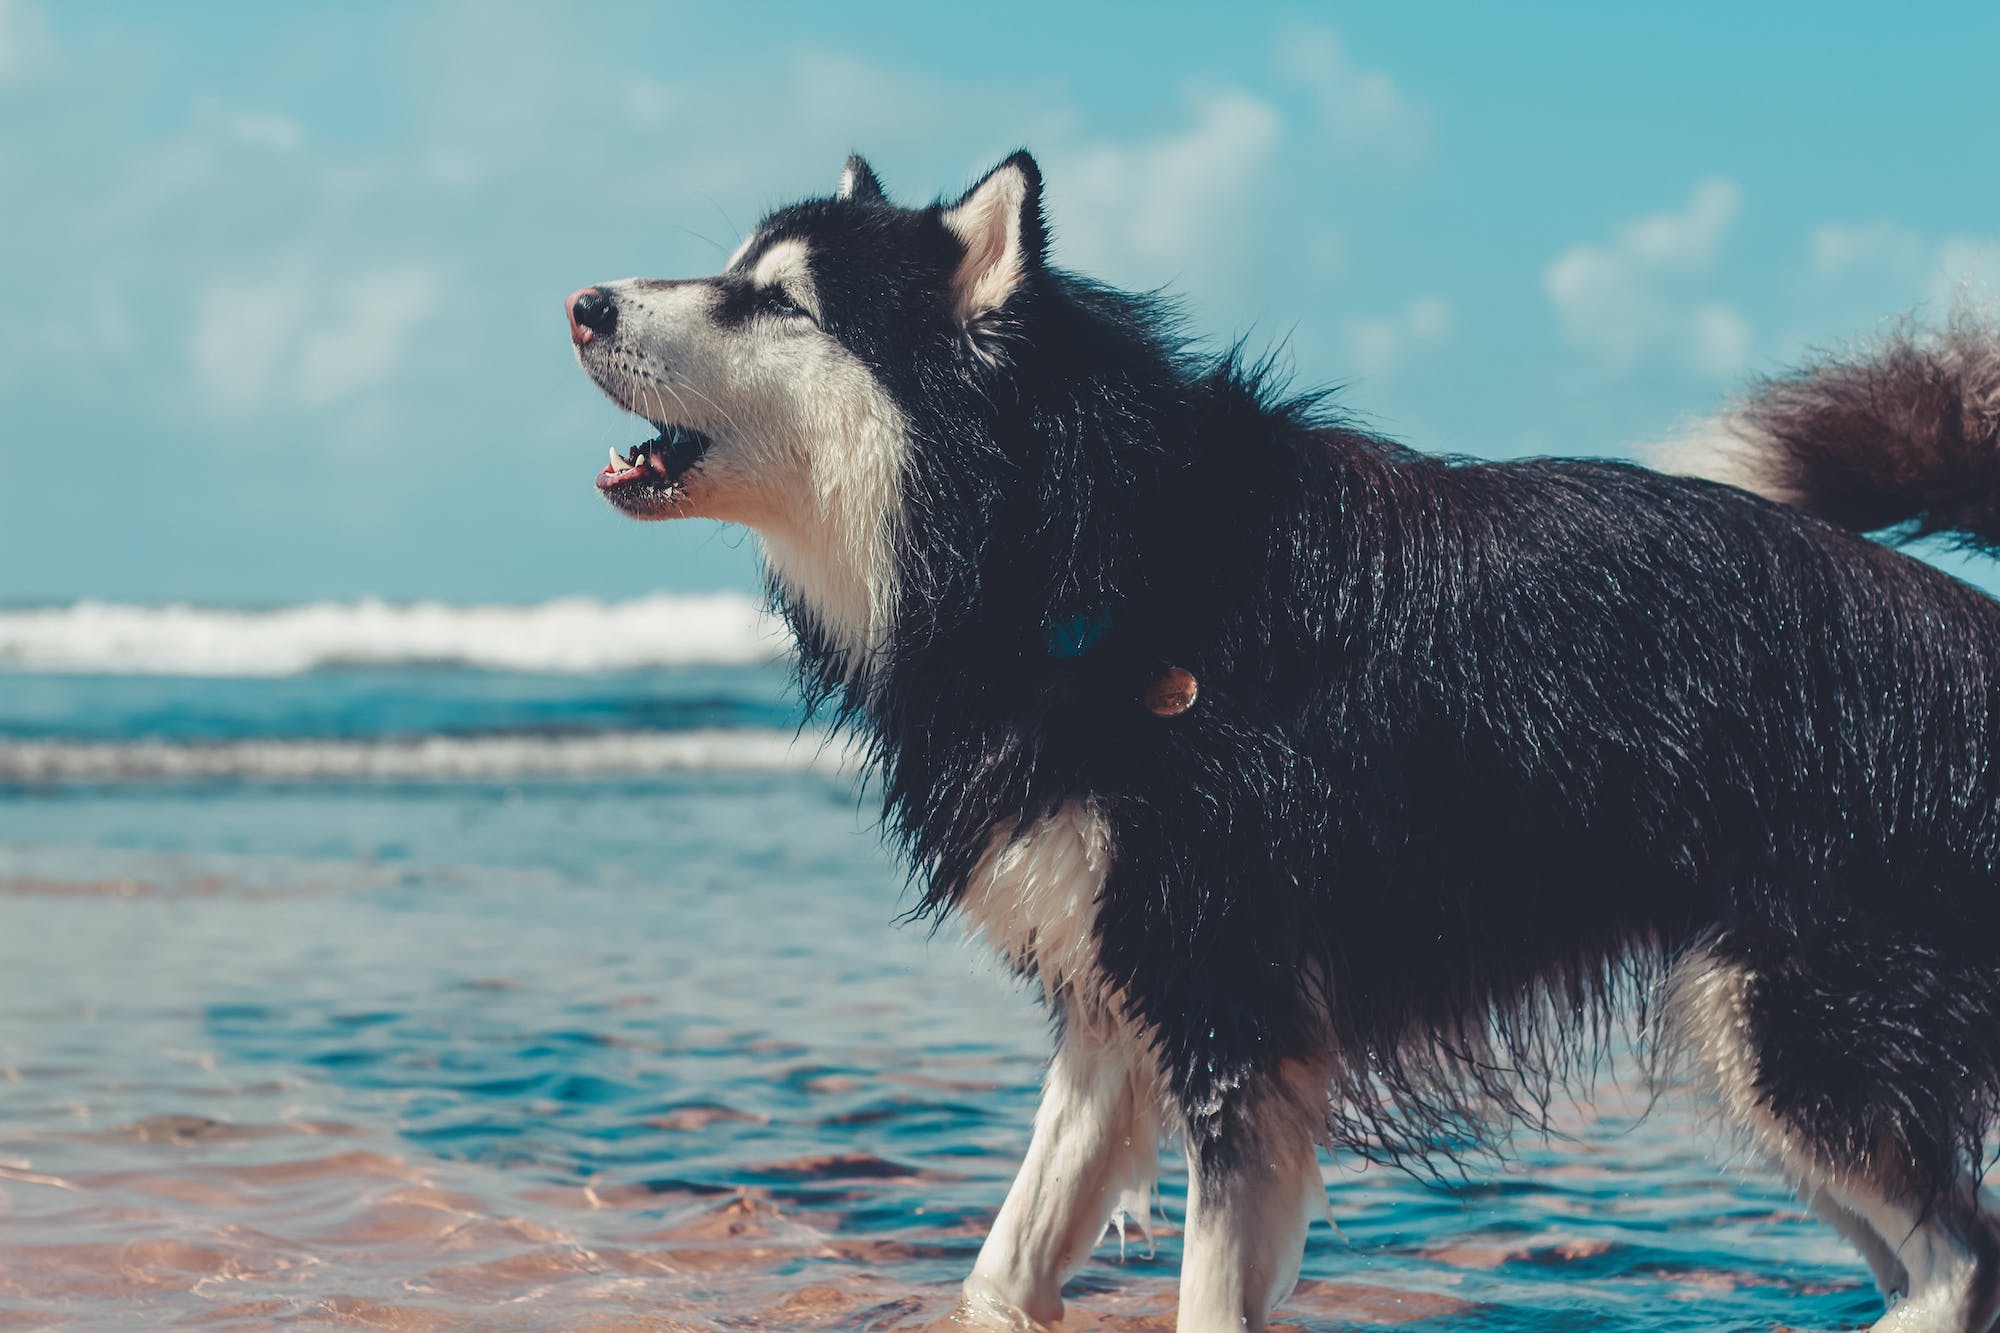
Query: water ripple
point(615, 1057)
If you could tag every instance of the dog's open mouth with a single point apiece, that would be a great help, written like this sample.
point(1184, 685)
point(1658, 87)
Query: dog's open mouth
point(651, 479)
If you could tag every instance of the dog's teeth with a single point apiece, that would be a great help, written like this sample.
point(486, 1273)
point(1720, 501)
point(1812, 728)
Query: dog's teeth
point(617, 459)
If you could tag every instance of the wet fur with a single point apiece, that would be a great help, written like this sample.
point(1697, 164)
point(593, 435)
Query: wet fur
point(1477, 742)
point(1482, 750)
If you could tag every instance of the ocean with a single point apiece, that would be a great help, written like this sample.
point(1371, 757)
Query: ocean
point(442, 967)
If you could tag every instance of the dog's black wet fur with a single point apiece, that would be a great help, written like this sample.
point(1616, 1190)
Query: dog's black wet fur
point(1481, 748)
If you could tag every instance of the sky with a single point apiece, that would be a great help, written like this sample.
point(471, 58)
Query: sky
point(280, 285)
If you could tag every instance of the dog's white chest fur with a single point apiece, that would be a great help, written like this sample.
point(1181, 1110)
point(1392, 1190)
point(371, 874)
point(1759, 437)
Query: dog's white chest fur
point(1034, 898)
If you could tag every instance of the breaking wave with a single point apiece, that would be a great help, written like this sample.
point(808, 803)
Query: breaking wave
point(573, 634)
point(475, 758)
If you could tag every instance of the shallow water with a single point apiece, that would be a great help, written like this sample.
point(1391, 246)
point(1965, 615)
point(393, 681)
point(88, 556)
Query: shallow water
point(512, 1051)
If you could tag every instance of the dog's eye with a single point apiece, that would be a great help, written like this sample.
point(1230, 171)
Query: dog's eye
point(778, 302)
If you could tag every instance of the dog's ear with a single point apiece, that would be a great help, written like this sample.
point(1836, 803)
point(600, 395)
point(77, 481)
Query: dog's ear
point(999, 222)
point(859, 181)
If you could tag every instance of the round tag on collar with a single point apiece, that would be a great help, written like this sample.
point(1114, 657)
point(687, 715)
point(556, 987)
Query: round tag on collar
point(1173, 693)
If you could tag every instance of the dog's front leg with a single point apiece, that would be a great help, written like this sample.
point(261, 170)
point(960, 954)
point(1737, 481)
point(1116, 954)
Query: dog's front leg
point(1094, 1153)
point(1253, 1188)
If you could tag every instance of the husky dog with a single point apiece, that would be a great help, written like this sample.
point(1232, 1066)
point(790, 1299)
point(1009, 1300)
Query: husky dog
point(1337, 795)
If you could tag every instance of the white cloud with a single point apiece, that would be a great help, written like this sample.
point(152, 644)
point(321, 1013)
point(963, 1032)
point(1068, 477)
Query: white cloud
point(1687, 238)
point(1378, 347)
point(1971, 263)
point(1166, 207)
point(1720, 342)
point(374, 320)
point(651, 104)
point(299, 337)
point(1358, 108)
point(269, 130)
point(172, 173)
point(1837, 249)
point(1629, 299)
point(25, 43)
point(1967, 268)
point(238, 346)
point(1944, 272)
point(196, 164)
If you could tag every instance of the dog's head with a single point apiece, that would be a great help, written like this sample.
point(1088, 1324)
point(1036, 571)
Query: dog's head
point(782, 390)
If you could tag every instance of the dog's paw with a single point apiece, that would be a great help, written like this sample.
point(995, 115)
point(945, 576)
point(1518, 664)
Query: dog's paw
point(989, 1313)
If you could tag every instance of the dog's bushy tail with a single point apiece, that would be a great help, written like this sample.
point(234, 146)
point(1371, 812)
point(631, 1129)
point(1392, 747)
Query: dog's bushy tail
point(1900, 437)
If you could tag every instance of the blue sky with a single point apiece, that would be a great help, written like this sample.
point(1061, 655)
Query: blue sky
point(280, 285)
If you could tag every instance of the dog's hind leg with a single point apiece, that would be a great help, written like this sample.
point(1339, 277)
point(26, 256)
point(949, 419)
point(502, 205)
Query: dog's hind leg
point(1254, 1186)
point(1841, 1067)
point(1094, 1154)
point(1949, 1248)
point(1890, 1277)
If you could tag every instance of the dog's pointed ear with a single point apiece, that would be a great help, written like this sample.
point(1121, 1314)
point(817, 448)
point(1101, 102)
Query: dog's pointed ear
point(999, 222)
point(859, 181)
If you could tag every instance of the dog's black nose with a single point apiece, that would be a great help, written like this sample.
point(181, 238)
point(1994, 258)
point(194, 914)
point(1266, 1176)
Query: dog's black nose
point(592, 314)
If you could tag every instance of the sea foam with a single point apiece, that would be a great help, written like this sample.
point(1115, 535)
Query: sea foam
point(438, 758)
point(573, 634)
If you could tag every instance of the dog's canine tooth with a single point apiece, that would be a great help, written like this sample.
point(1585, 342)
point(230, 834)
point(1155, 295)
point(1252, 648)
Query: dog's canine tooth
point(617, 459)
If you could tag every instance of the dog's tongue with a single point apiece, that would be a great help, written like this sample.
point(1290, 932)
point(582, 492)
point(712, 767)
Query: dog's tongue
point(617, 472)
point(667, 455)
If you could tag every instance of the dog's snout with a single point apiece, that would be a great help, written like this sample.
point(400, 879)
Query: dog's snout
point(592, 314)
